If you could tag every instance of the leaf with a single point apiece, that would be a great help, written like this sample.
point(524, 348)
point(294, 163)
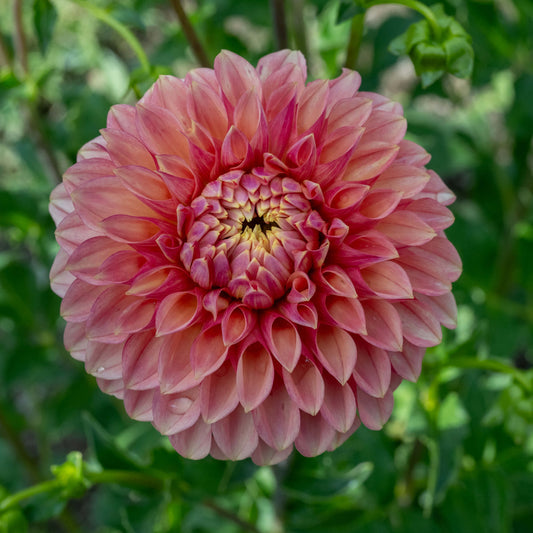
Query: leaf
point(44, 19)
point(105, 449)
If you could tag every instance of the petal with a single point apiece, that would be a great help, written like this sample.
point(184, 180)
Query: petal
point(408, 362)
point(305, 386)
point(178, 311)
point(282, 339)
point(277, 419)
point(383, 325)
point(235, 434)
point(175, 369)
point(138, 404)
point(315, 435)
point(255, 375)
point(175, 412)
point(265, 455)
point(374, 412)
point(208, 351)
point(219, 394)
point(419, 325)
point(388, 279)
point(337, 351)
point(140, 360)
point(372, 371)
point(339, 407)
point(194, 442)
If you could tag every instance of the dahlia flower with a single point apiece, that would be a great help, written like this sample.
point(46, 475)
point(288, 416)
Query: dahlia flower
point(253, 263)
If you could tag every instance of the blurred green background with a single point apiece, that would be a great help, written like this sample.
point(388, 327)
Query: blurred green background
point(457, 454)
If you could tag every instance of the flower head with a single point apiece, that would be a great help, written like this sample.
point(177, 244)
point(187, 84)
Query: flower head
point(251, 262)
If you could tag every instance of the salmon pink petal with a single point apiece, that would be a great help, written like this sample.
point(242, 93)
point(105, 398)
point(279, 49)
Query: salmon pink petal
point(193, 442)
point(336, 350)
point(219, 395)
point(282, 339)
point(236, 435)
point(277, 419)
point(305, 386)
point(374, 412)
point(266, 455)
point(138, 404)
point(140, 361)
point(255, 375)
point(176, 412)
point(174, 368)
point(247, 260)
point(339, 407)
point(372, 371)
point(236, 76)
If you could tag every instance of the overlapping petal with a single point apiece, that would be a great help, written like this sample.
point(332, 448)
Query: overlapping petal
point(253, 263)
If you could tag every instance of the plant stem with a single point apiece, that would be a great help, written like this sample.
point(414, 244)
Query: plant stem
point(126, 477)
point(245, 526)
point(299, 27)
point(354, 43)
point(280, 25)
point(40, 488)
point(197, 48)
point(493, 365)
point(19, 36)
point(424, 10)
point(122, 30)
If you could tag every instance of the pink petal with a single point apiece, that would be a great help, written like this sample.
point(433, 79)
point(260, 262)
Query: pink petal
point(372, 371)
point(336, 350)
point(383, 325)
point(175, 412)
point(265, 455)
point(178, 311)
point(255, 375)
point(374, 412)
point(207, 108)
point(208, 351)
point(140, 360)
point(219, 394)
point(104, 360)
point(194, 442)
point(236, 76)
point(404, 227)
point(277, 419)
point(388, 279)
point(339, 405)
point(124, 149)
point(408, 362)
point(345, 312)
point(443, 308)
point(160, 132)
point(305, 386)
point(175, 370)
point(315, 435)
point(76, 340)
point(235, 434)
point(237, 322)
point(138, 404)
point(78, 301)
point(282, 339)
point(419, 325)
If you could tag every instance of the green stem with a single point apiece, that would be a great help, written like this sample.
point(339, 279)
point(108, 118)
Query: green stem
point(126, 477)
point(299, 27)
point(190, 34)
point(280, 25)
point(492, 365)
point(122, 30)
point(424, 10)
point(354, 43)
point(40, 488)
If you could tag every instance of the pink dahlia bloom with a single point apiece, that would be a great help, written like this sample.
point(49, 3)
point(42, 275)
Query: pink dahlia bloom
point(253, 263)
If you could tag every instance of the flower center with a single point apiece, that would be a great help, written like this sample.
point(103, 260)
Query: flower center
point(250, 232)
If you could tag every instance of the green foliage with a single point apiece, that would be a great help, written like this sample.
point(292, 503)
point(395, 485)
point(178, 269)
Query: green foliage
point(457, 453)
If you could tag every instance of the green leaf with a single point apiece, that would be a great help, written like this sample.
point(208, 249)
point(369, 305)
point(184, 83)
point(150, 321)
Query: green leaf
point(44, 20)
point(13, 522)
point(459, 57)
point(348, 10)
point(105, 449)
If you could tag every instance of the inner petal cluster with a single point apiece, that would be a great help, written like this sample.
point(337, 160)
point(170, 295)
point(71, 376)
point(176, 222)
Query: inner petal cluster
point(247, 233)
